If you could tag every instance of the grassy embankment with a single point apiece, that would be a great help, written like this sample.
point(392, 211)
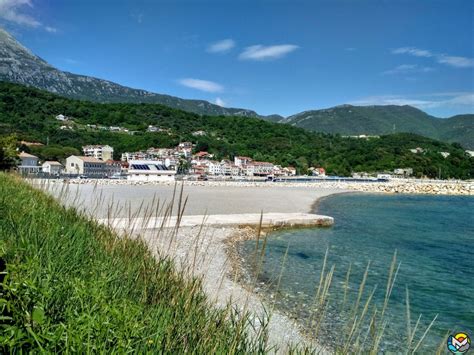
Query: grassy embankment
point(71, 285)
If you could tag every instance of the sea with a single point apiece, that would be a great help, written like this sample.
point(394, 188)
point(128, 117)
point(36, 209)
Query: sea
point(427, 241)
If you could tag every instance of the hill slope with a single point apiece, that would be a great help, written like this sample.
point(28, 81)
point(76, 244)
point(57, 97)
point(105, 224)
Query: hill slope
point(20, 65)
point(30, 114)
point(376, 120)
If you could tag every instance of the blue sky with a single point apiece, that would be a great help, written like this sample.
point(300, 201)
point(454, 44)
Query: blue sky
point(271, 56)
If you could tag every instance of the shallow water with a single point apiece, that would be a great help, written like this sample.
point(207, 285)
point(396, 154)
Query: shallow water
point(433, 237)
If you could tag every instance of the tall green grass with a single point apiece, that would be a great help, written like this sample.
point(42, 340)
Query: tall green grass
point(71, 285)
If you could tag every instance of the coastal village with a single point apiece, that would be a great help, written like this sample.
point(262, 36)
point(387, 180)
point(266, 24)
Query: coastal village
point(165, 164)
point(183, 161)
point(153, 164)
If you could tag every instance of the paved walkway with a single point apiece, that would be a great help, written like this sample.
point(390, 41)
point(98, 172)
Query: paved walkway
point(223, 220)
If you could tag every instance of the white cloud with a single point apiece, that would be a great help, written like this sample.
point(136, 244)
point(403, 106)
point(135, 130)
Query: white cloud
point(221, 46)
point(51, 29)
point(11, 10)
point(417, 52)
point(15, 11)
point(408, 69)
point(427, 101)
point(259, 52)
point(203, 85)
point(220, 102)
point(454, 61)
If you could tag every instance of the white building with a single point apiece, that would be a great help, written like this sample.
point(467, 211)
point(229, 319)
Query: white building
point(52, 167)
point(61, 117)
point(215, 168)
point(29, 164)
point(149, 170)
point(101, 152)
point(88, 166)
point(403, 172)
point(240, 161)
point(445, 154)
point(290, 171)
point(417, 150)
point(262, 168)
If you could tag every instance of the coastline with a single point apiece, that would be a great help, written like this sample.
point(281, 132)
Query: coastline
point(209, 251)
point(204, 250)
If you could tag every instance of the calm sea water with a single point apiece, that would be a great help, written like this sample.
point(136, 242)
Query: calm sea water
point(434, 240)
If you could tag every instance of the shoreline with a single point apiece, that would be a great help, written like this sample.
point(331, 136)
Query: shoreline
point(401, 186)
point(211, 253)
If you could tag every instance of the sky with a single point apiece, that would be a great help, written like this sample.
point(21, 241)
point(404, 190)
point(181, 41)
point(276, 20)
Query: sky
point(279, 57)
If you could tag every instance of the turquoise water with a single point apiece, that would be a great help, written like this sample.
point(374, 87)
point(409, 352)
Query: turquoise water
point(434, 240)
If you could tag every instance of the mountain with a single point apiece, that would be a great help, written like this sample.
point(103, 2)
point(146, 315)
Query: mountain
point(377, 120)
point(459, 129)
point(20, 65)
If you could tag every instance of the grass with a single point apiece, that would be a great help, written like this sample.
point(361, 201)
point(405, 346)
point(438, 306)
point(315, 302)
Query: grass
point(71, 285)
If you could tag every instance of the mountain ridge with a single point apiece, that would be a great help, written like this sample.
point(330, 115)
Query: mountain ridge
point(385, 119)
point(19, 65)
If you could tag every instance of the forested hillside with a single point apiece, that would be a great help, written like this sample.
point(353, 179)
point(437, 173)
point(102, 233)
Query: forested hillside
point(389, 119)
point(30, 114)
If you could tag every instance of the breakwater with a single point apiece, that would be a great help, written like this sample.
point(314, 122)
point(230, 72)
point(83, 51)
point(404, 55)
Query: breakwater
point(431, 187)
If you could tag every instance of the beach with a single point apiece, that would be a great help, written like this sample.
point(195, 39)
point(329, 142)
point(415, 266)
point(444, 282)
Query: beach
point(202, 250)
point(206, 251)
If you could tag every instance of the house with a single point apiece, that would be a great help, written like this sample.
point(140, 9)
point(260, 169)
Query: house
point(29, 164)
point(417, 150)
point(199, 169)
point(405, 172)
point(215, 168)
point(202, 155)
point(152, 129)
point(52, 167)
point(88, 166)
point(290, 171)
point(149, 170)
point(61, 118)
point(113, 167)
point(134, 156)
point(101, 152)
point(248, 169)
point(470, 153)
point(199, 133)
point(262, 168)
point(240, 161)
point(445, 154)
point(317, 171)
